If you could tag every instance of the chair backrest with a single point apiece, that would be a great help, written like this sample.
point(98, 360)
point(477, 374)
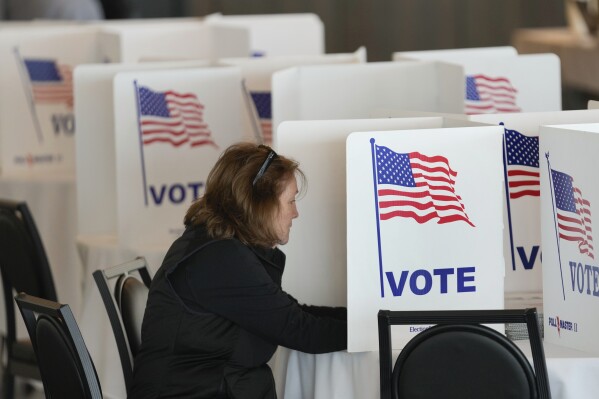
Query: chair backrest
point(23, 262)
point(66, 368)
point(459, 357)
point(125, 305)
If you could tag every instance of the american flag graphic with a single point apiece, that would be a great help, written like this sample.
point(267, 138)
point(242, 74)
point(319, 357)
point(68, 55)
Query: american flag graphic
point(262, 101)
point(487, 95)
point(172, 118)
point(573, 213)
point(417, 186)
point(522, 163)
point(51, 83)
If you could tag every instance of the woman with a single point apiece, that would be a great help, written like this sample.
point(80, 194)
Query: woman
point(216, 311)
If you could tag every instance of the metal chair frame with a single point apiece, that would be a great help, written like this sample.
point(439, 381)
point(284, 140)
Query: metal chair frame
point(33, 309)
point(387, 318)
point(111, 301)
point(43, 281)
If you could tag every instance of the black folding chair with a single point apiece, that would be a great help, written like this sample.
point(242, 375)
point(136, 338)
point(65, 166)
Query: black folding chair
point(66, 368)
point(125, 304)
point(460, 358)
point(24, 267)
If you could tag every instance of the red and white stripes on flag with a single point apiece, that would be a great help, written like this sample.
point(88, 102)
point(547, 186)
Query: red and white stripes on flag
point(266, 127)
point(173, 118)
point(51, 82)
point(263, 103)
point(573, 213)
point(413, 185)
point(522, 164)
point(486, 94)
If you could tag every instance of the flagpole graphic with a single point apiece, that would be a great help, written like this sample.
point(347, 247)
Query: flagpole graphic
point(507, 198)
point(251, 106)
point(376, 207)
point(262, 101)
point(141, 143)
point(559, 256)
point(27, 88)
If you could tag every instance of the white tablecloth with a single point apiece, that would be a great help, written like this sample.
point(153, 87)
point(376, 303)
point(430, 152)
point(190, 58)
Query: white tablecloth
point(52, 202)
point(572, 374)
point(341, 375)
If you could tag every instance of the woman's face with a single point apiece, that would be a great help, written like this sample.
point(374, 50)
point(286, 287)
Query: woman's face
point(287, 211)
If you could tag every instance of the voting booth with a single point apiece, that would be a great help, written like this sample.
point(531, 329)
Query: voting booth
point(257, 74)
point(498, 80)
point(37, 124)
point(424, 225)
point(278, 34)
point(569, 196)
point(319, 252)
point(319, 275)
point(169, 131)
point(95, 143)
point(38, 133)
point(522, 233)
point(352, 91)
point(189, 39)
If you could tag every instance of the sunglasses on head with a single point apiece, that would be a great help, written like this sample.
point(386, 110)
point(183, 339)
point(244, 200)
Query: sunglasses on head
point(269, 158)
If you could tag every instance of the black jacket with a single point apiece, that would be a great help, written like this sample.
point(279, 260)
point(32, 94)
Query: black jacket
point(214, 317)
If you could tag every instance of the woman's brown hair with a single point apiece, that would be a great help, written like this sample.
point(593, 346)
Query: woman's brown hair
point(232, 206)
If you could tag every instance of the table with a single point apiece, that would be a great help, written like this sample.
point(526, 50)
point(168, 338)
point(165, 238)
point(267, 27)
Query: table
point(342, 375)
point(52, 202)
point(298, 375)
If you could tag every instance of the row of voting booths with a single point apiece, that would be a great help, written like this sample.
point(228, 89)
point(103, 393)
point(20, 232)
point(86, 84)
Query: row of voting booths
point(38, 61)
point(437, 180)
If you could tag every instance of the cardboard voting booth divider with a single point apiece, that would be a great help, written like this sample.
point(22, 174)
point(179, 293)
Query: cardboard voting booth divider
point(190, 39)
point(37, 123)
point(398, 113)
point(257, 74)
point(316, 270)
point(278, 34)
point(424, 225)
point(95, 144)
point(352, 91)
point(169, 131)
point(569, 198)
point(455, 54)
point(35, 23)
point(499, 81)
point(146, 21)
point(522, 233)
